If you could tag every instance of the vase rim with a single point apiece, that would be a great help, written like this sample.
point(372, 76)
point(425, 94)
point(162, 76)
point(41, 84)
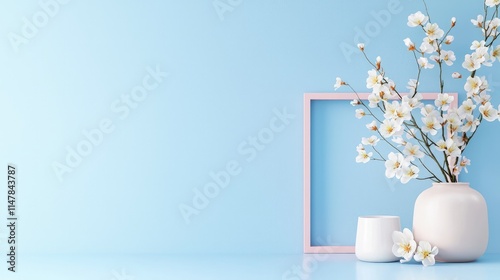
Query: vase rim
point(450, 183)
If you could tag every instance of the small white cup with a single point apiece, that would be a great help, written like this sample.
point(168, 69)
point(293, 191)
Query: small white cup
point(374, 238)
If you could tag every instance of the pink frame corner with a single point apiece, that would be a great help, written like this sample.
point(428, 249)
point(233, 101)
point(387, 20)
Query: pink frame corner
point(308, 97)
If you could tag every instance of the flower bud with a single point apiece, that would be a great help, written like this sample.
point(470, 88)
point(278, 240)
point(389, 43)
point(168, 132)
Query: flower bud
point(409, 44)
point(456, 75)
point(449, 39)
point(355, 102)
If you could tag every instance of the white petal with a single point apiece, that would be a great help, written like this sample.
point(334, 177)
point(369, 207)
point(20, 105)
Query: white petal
point(429, 260)
point(418, 257)
point(397, 236)
point(435, 250)
point(426, 246)
point(413, 245)
point(408, 234)
point(395, 250)
point(408, 256)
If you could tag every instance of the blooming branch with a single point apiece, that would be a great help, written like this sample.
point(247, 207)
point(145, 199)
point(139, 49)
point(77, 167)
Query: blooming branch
point(435, 131)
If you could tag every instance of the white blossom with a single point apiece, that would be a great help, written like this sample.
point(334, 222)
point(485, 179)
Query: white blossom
point(488, 112)
point(431, 125)
point(477, 44)
point(452, 148)
point(472, 85)
point(433, 31)
point(371, 141)
point(470, 124)
point(338, 83)
point(399, 140)
point(443, 101)
point(412, 151)
point(373, 78)
point(416, 19)
point(429, 110)
point(448, 57)
point(372, 126)
point(408, 173)
point(397, 111)
point(389, 127)
point(426, 254)
point(427, 45)
point(466, 108)
point(462, 165)
point(409, 44)
point(383, 91)
point(360, 148)
point(404, 245)
point(412, 86)
point(424, 63)
point(492, 3)
point(471, 62)
point(363, 156)
point(495, 53)
point(394, 165)
point(373, 100)
point(492, 26)
point(483, 56)
point(413, 102)
point(449, 39)
point(482, 98)
point(441, 145)
point(456, 75)
point(453, 120)
point(355, 102)
point(478, 22)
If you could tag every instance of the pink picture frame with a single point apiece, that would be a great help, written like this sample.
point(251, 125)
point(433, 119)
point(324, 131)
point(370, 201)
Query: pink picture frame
point(308, 98)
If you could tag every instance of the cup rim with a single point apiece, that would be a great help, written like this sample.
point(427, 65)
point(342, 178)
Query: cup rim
point(379, 217)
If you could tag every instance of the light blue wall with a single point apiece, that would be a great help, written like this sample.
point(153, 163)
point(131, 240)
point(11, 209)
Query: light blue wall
point(232, 78)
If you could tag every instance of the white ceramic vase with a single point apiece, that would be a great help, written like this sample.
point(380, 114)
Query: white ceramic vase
point(453, 217)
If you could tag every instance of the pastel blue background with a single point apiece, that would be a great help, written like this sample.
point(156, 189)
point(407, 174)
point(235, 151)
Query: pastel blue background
point(226, 80)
